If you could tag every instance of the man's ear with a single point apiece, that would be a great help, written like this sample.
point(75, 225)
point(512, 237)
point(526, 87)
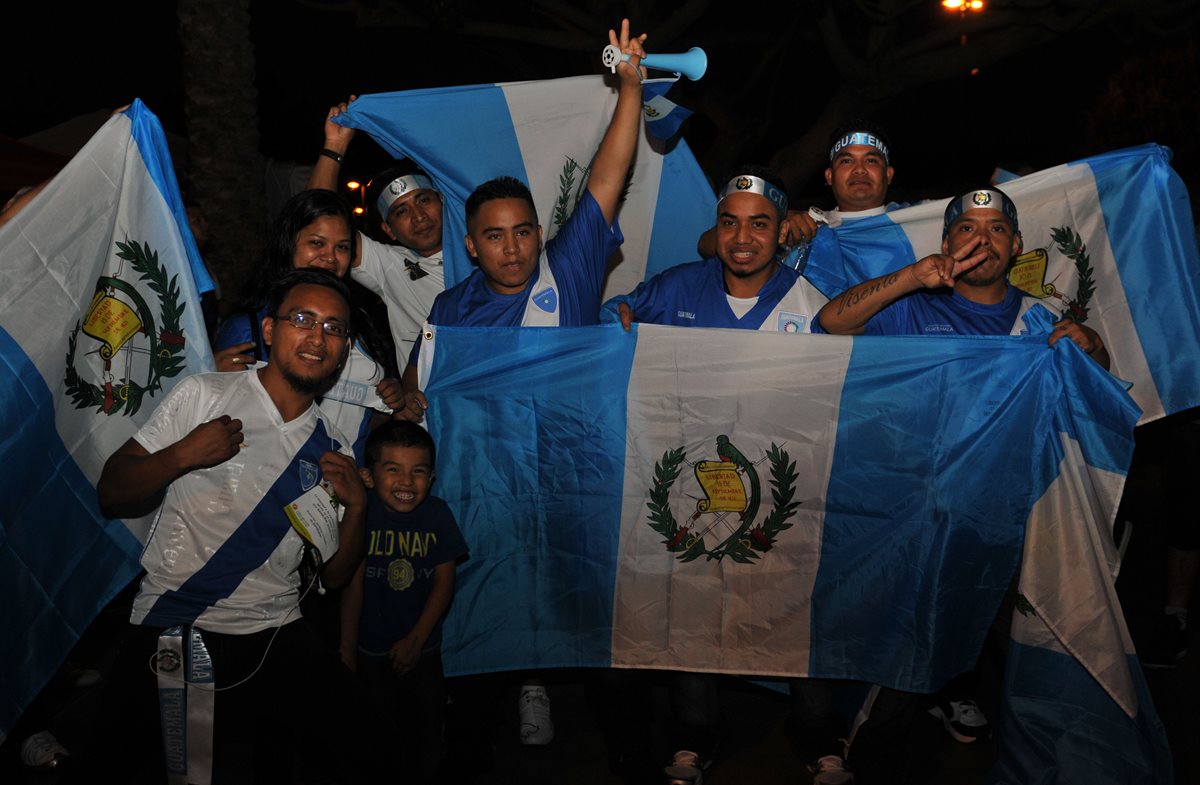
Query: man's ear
point(1018, 245)
point(367, 478)
point(890, 174)
point(829, 177)
point(268, 329)
point(470, 247)
point(388, 231)
point(946, 244)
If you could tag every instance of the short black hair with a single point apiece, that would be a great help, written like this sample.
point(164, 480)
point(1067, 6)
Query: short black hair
point(399, 433)
point(861, 124)
point(499, 188)
point(308, 275)
point(403, 167)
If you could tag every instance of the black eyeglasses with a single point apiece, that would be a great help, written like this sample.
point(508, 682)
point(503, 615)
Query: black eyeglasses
point(306, 321)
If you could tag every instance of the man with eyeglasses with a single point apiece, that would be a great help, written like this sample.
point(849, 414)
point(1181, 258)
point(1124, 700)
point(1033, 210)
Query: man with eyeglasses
point(254, 490)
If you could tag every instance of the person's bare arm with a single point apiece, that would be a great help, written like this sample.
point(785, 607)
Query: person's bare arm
point(611, 164)
point(326, 170)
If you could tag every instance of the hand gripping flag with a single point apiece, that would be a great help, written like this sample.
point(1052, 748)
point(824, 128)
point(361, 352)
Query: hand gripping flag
point(791, 505)
point(99, 317)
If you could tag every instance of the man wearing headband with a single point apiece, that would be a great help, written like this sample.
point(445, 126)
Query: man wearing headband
point(859, 174)
point(963, 290)
point(742, 285)
point(408, 275)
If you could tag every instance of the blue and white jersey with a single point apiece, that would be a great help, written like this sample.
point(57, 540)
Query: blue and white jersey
point(946, 312)
point(222, 552)
point(564, 291)
point(693, 295)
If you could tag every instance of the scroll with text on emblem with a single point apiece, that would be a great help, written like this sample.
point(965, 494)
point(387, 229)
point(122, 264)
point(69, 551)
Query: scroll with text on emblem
point(722, 486)
point(1028, 273)
point(111, 322)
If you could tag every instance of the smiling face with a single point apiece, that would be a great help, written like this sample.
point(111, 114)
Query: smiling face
point(505, 239)
point(401, 477)
point(996, 236)
point(747, 238)
point(324, 244)
point(415, 221)
point(308, 360)
point(859, 176)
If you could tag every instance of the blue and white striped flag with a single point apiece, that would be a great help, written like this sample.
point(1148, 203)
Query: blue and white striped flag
point(770, 505)
point(99, 317)
point(545, 133)
point(1108, 239)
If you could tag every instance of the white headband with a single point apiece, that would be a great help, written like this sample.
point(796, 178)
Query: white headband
point(400, 186)
point(748, 183)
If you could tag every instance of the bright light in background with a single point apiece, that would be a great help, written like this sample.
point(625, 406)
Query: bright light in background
point(963, 5)
point(359, 211)
point(354, 185)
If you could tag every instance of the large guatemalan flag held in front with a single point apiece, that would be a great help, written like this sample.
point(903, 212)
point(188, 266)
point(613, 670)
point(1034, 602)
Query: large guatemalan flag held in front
point(545, 134)
point(1108, 239)
point(99, 317)
point(773, 504)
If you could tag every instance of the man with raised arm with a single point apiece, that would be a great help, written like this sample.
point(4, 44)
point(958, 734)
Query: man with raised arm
point(407, 275)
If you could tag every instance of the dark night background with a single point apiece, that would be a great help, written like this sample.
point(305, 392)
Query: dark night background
point(1037, 107)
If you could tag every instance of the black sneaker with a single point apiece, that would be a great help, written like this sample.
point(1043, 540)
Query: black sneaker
point(964, 720)
point(1168, 644)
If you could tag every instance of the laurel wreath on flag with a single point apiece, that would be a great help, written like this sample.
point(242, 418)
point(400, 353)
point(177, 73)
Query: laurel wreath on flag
point(758, 539)
point(1071, 246)
point(165, 356)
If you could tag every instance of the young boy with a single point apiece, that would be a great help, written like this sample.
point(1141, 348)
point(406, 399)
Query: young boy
point(393, 608)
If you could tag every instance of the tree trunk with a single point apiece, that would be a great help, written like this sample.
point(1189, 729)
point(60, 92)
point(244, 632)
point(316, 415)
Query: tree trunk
point(221, 107)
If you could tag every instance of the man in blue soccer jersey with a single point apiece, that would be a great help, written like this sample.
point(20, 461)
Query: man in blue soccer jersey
point(742, 286)
point(859, 173)
point(963, 290)
point(518, 281)
point(249, 479)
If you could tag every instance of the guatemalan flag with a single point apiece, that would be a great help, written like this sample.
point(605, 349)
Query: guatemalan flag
point(99, 317)
point(545, 134)
point(771, 504)
point(1108, 240)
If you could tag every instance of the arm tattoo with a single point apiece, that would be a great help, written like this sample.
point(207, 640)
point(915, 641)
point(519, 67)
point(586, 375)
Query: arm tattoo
point(854, 296)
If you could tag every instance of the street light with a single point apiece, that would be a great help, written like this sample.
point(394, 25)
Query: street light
point(355, 185)
point(963, 6)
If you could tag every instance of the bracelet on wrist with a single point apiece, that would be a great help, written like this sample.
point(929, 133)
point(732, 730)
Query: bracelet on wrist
point(325, 151)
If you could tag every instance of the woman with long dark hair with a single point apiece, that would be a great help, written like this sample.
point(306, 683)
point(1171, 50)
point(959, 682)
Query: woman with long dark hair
point(315, 229)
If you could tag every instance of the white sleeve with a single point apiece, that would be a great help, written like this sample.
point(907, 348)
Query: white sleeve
point(370, 268)
point(174, 418)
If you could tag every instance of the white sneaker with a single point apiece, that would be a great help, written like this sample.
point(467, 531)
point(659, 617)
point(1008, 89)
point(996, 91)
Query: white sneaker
point(686, 769)
point(533, 708)
point(42, 750)
point(831, 770)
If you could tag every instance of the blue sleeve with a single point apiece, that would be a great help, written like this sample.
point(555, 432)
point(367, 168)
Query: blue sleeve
point(579, 256)
point(234, 330)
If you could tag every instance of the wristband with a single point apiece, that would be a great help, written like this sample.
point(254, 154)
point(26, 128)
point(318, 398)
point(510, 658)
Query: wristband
point(325, 151)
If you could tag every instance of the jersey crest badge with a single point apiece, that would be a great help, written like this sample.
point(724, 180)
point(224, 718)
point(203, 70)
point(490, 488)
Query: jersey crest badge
point(547, 300)
point(792, 322)
point(723, 522)
point(308, 474)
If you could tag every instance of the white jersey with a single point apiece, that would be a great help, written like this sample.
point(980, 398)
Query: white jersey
point(383, 271)
point(222, 552)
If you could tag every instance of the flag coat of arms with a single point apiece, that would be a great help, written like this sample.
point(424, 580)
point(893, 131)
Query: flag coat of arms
point(99, 317)
point(1108, 240)
point(768, 504)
